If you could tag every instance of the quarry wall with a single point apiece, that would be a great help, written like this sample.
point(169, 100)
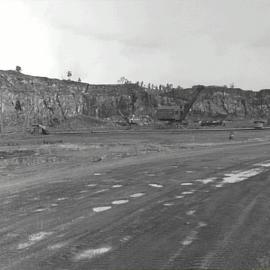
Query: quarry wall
point(30, 99)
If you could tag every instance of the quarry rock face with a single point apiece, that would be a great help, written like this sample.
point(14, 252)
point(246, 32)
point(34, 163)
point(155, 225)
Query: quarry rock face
point(222, 102)
point(30, 99)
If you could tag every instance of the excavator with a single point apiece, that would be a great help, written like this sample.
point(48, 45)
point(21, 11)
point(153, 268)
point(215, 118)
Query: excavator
point(171, 114)
point(188, 106)
point(176, 113)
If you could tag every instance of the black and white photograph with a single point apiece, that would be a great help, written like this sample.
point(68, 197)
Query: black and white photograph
point(134, 134)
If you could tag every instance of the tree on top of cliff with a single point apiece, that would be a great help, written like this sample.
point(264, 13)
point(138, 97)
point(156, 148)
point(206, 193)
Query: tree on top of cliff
point(123, 80)
point(69, 74)
point(18, 69)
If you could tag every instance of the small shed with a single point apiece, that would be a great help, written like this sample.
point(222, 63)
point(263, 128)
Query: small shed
point(169, 113)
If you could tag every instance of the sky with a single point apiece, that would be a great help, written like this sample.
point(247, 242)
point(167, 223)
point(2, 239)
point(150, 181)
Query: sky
point(183, 42)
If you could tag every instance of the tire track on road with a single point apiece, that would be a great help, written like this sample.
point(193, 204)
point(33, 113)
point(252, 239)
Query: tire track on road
point(217, 258)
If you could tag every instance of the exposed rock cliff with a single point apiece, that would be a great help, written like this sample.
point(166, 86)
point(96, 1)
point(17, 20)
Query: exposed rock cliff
point(223, 102)
point(30, 99)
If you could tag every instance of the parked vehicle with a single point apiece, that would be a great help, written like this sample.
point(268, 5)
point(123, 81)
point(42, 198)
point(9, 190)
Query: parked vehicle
point(259, 124)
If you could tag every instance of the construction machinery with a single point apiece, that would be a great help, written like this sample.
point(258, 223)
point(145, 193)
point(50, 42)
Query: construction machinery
point(178, 113)
point(39, 129)
point(126, 120)
point(259, 124)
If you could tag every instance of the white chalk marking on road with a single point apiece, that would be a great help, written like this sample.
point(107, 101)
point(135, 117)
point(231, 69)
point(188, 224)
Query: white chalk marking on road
point(189, 171)
point(187, 192)
point(83, 191)
point(24, 245)
point(186, 184)
point(101, 208)
point(125, 239)
point(57, 246)
point(81, 197)
point(156, 185)
point(40, 210)
point(190, 212)
point(91, 185)
point(202, 224)
point(62, 199)
point(263, 164)
point(39, 236)
point(54, 204)
point(136, 195)
point(100, 191)
point(207, 180)
point(168, 204)
point(97, 174)
point(232, 178)
point(219, 185)
point(235, 171)
point(91, 253)
point(190, 238)
point(179, 197)
point(34, 238)
point(120, 202)
point(117, 186)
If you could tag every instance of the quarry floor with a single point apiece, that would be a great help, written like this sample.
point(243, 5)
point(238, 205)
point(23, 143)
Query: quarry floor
point(154, 200)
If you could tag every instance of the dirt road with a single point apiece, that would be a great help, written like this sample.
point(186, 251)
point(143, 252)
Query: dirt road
point(202, 208)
